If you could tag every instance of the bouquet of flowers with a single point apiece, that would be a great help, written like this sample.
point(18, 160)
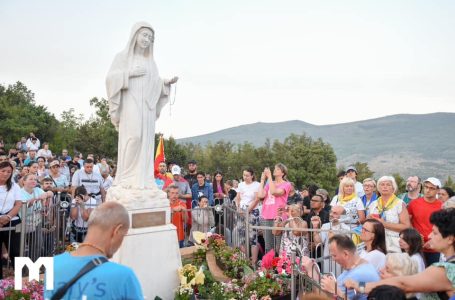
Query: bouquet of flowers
point(190, 278)
point(32, 290)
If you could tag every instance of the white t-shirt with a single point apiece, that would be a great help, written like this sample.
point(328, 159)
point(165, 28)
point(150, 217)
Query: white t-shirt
point(90, 203)
point(8, 198)
point(44, 153)
point(246, 193)
point(375, 257)
point(92, 182)
point(333, 266)
point(107, 183)
point(419, 260)
point(350, 207)
point(359, 189)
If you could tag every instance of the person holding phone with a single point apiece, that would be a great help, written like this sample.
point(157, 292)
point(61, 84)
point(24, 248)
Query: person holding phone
point(275, 194)
point(81, 208)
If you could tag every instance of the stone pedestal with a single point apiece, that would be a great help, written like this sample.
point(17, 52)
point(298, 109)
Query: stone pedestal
point(151, 247)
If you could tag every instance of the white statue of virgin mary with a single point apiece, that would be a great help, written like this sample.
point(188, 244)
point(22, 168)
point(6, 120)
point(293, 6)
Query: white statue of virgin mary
point(136, 95)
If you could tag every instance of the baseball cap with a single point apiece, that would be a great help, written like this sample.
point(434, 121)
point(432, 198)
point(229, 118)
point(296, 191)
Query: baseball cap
point(434, 181)
point(176, 170)
point(54, 163)
point(351, 168)
point(192, 161)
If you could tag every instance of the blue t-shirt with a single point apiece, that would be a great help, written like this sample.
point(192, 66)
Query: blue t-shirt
point(364, 272)
point(107, 281)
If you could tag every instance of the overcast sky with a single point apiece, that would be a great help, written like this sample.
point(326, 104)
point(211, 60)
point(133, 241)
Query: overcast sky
point(239, 62)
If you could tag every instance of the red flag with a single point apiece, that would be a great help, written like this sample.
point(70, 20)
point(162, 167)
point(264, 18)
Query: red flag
point(159, 156)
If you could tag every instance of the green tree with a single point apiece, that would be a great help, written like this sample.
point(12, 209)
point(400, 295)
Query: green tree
point(401, 183)
point(308, 161)
point(20, 115)
point(363, 171)
point(450, 183)
point(97, 135)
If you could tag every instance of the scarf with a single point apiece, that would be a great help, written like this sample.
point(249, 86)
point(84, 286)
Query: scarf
point(346, 199)
point(394, 200)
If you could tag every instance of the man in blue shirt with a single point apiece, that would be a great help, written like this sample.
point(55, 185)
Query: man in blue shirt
point(107, 226)
point(344, 252)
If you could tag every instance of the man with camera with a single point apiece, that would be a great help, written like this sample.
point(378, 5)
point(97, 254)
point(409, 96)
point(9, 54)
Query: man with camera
point(81, 208)
point(92, 181)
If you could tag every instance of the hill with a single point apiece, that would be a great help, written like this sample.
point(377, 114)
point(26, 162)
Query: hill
point(405, 144)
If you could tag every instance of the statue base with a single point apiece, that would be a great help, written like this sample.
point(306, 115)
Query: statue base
point(151, 246)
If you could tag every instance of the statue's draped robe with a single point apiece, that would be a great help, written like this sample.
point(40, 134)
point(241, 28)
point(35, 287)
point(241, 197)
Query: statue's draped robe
point(135, 104)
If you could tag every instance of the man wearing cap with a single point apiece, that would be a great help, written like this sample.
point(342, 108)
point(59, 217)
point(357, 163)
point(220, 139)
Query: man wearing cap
point(351, 172)
point(182, 184)
point(191, 177)
point(184, 193)
point(420, 211)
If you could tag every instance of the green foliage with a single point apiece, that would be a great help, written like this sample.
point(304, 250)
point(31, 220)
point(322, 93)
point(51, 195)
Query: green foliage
point(363, 171)
point(450, 183)
point(401, 183)
point(20, 115)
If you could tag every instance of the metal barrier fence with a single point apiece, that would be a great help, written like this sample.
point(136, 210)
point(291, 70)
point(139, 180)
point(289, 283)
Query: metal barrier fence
point(245, 231)
point(42, 231)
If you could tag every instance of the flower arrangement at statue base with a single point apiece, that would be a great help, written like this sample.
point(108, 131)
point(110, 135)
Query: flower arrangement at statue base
point(271, 281)
point(32, 290)
point(230, 260)
point(190, 279)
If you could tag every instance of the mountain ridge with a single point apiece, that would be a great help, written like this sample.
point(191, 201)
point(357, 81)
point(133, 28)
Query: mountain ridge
point(421, 144)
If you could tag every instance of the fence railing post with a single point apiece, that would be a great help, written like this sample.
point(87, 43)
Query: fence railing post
point(247, 235)
point(293, 271)
point(23, 229)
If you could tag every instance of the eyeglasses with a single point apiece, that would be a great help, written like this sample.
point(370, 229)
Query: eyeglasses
point(368, 185)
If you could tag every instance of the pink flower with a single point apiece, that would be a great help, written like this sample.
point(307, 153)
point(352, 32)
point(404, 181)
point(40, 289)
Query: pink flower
point(267, 260)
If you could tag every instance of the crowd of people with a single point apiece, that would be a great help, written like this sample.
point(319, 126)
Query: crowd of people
point(368, 232)
point(370, 235)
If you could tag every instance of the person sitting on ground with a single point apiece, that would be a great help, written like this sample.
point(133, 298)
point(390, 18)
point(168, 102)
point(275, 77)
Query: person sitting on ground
point(438, 280)
point(373, 237)
point(107, 226)
point(343, 251)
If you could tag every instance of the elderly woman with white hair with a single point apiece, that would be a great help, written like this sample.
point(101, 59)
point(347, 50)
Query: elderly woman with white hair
point(391, 211)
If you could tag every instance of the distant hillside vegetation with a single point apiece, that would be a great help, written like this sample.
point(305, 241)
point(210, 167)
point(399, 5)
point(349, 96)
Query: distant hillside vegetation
point(405, 144)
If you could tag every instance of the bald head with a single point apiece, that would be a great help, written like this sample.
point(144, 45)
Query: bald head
point(109, 215)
